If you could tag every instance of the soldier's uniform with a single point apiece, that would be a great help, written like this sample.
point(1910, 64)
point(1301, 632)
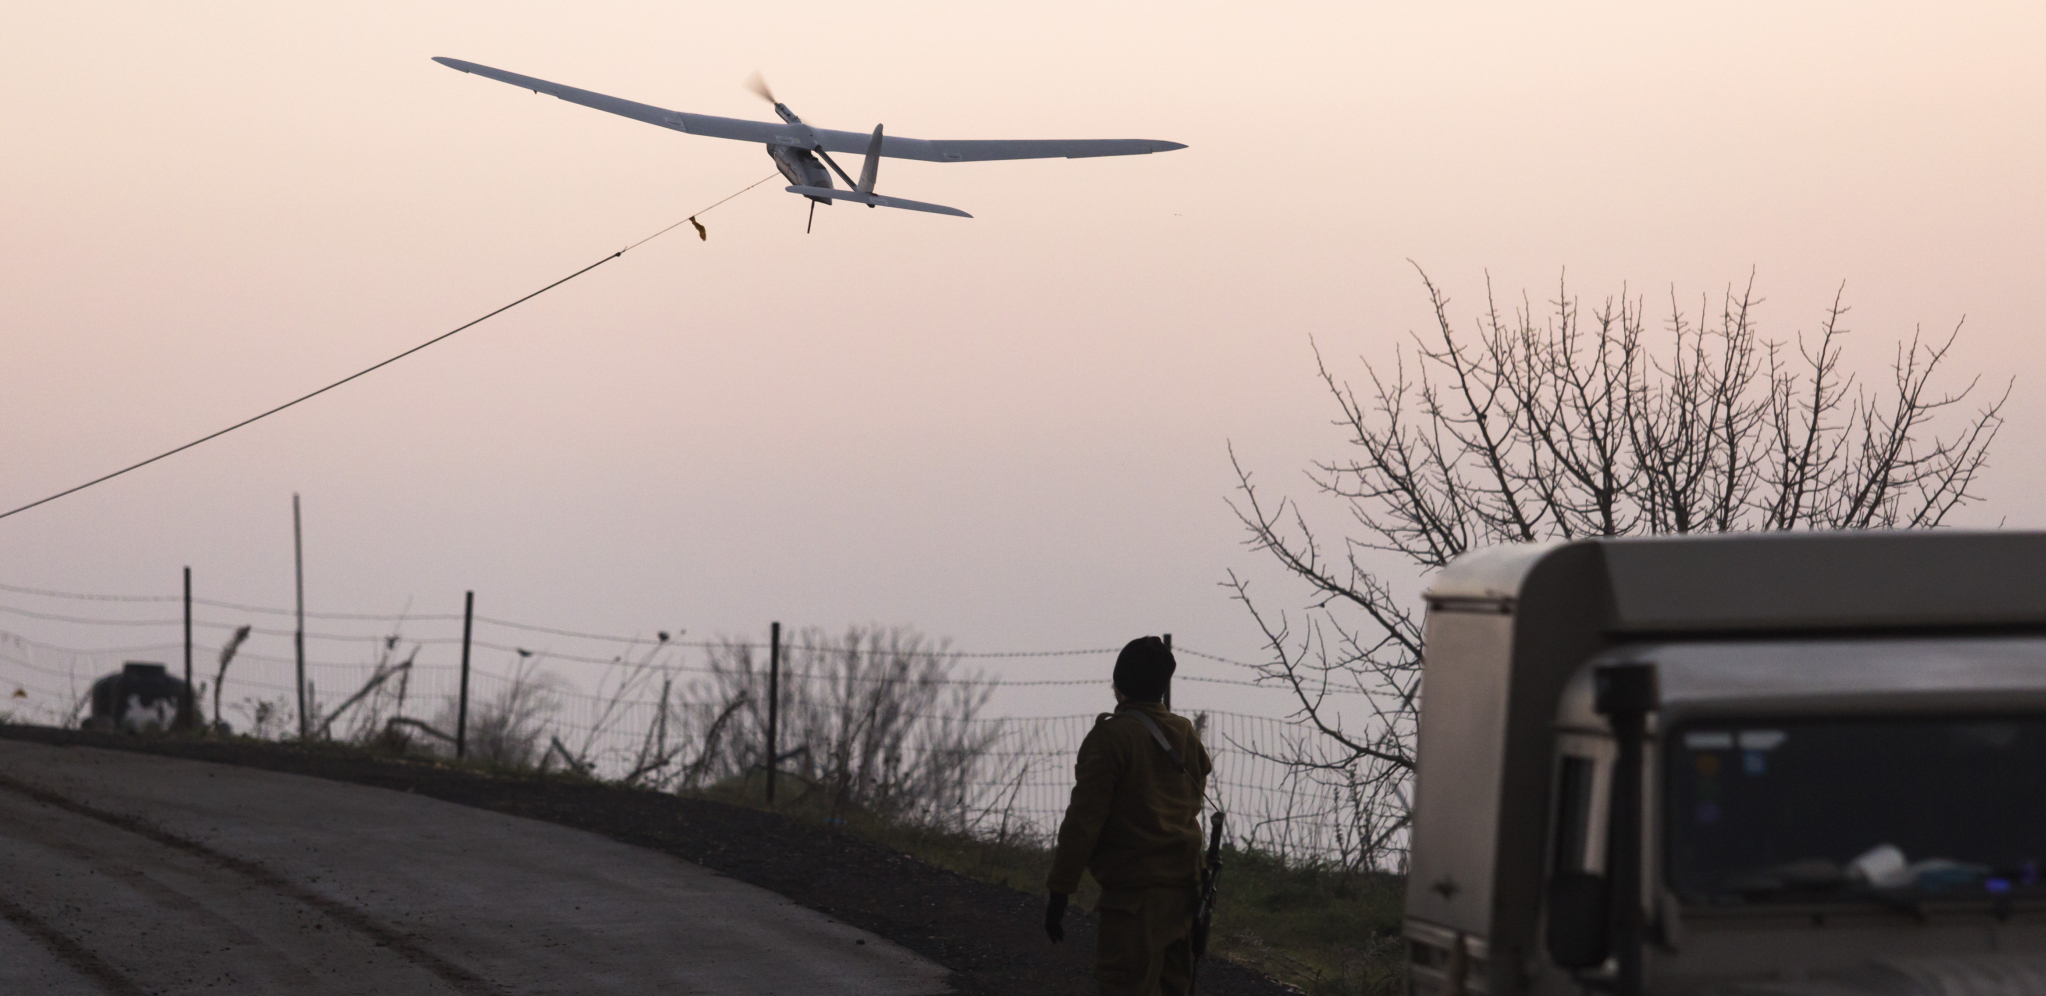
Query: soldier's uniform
point(1134, 822)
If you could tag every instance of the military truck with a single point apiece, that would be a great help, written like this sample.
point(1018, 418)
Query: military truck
point(1756, 764)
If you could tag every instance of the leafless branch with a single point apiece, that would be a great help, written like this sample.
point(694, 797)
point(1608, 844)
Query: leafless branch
point(1567, 423)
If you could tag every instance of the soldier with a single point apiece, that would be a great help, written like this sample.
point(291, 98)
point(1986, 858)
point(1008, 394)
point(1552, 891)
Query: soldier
point(1134, 823)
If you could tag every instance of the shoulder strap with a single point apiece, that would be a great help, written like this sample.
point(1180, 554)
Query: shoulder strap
point(1159, 735)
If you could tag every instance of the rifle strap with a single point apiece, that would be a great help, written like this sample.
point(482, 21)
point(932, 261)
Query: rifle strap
point(1159, 735)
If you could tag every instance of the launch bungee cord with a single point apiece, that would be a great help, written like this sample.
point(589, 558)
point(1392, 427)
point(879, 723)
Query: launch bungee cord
point(691, 220)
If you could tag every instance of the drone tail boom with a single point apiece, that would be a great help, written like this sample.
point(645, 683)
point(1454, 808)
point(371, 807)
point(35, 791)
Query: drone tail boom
point(876, 200)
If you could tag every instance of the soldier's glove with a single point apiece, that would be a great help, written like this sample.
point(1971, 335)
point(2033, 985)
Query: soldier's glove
point(1055, 917)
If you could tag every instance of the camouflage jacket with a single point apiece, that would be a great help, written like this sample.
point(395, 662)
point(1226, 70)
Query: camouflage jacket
point(1134, 817)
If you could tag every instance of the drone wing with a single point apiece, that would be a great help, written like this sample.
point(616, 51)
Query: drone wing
point(692, 124)
point(940, 151)
point(830, 140)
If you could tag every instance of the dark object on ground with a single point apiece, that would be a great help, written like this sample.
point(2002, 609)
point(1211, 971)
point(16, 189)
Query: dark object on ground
point(986, 934)
point(142, 697)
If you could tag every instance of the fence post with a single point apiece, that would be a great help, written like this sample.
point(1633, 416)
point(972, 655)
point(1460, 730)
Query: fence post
point(1168, 680)
point(298, 635)
point(462, 706)
point(186, 719)
point(773, 704)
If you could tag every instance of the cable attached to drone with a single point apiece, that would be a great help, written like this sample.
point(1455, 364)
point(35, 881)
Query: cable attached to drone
point(701, 232)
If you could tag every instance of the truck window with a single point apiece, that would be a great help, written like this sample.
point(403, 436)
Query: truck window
point(1806, 809)
point(1573, 813)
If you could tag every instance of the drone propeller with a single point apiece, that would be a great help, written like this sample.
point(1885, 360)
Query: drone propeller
point(758, 84)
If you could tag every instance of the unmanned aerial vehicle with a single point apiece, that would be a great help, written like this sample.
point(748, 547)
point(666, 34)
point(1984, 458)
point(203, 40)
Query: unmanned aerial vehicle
point(796, 147)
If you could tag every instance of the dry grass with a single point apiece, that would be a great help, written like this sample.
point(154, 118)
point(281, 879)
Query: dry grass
point(873, 718)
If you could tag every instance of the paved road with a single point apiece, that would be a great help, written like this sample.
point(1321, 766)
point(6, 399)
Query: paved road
point(126, 873)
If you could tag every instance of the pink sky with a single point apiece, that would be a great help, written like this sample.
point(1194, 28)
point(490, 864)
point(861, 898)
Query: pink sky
point(1009, 430)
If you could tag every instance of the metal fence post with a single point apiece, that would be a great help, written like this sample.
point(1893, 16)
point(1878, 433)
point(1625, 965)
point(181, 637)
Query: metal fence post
point(298, 635)
point(773, 704)
point(1168, 680)
point(462, 707)
point(186, 719)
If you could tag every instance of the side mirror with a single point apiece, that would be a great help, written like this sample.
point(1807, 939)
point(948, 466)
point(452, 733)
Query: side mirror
point(1625, 694)
point(1578, 904)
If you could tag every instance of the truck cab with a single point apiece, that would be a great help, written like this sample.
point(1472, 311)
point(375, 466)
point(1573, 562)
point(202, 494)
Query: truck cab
point(1764, 764)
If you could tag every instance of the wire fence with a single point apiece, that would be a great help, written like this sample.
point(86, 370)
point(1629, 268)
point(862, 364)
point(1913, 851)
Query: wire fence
point(640, 697)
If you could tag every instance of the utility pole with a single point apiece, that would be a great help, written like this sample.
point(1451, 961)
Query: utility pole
point(1168, 680)
point(462, 710)
point(298, 636)
point(773, 704)
point(186, 718)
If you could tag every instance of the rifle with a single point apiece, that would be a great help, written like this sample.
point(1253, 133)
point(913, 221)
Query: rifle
point(1204, 913)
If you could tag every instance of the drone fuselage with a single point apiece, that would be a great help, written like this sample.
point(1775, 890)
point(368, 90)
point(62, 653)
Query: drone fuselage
point(801, 167)
point(796, 161)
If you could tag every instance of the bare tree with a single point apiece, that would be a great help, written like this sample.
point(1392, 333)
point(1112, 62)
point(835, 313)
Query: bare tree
point(873, 717)
point(1559, 425)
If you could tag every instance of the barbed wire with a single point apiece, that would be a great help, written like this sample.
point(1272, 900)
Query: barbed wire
point(1207, 656)
point(105, 652)
point(513, 624)
point(791, 674)
point(656, 643)
point(399, 617)
point(640, 641)
point(95, 598)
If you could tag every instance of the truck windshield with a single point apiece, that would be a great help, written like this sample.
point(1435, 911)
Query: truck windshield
point(1878, 807)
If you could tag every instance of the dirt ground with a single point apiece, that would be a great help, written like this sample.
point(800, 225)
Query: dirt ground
point(990, 937)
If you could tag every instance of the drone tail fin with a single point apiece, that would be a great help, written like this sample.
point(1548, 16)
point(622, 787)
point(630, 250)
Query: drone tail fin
point(872, 167)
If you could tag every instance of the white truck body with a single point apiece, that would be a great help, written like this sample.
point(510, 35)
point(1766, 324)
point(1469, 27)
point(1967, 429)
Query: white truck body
point(1822, 697)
